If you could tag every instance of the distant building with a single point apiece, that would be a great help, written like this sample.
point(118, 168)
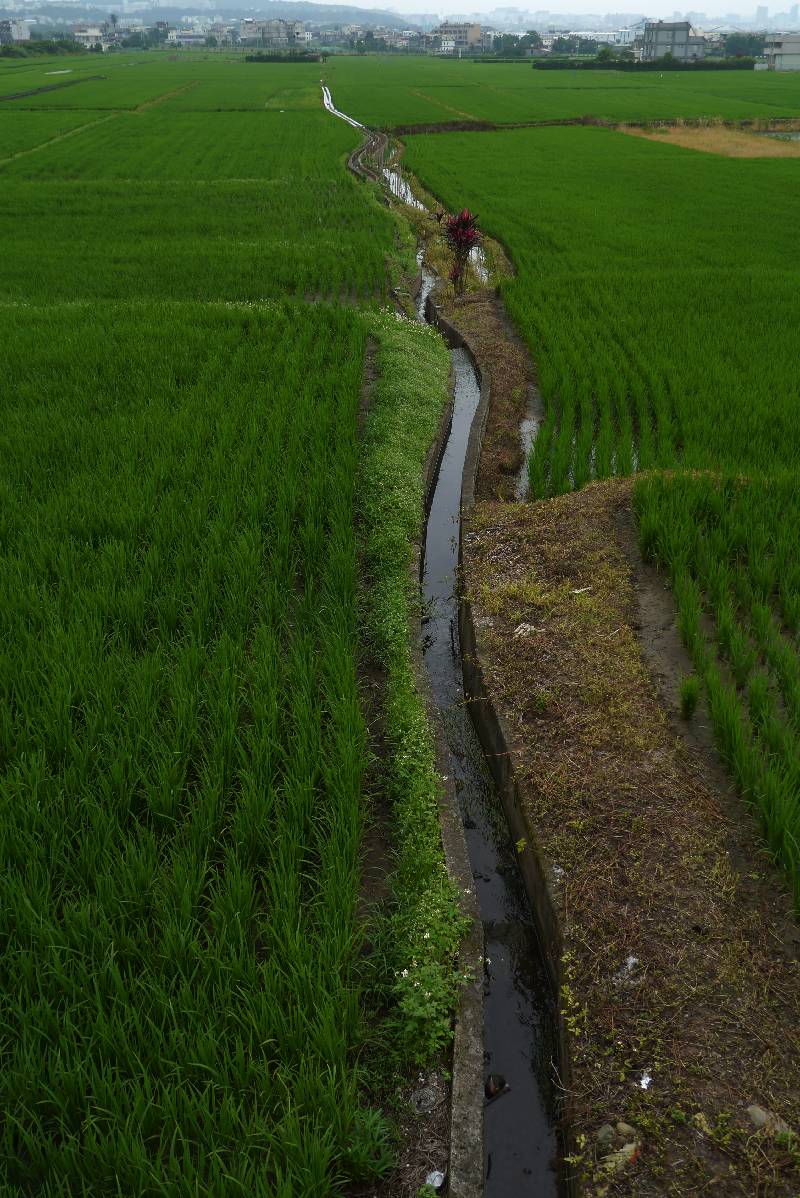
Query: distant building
point(275, 33)
point(186, 37)
point(462, 35)
point(91, 35)
point(762, 16)
point(672, 37)
point(783, 52)
point(13, 31)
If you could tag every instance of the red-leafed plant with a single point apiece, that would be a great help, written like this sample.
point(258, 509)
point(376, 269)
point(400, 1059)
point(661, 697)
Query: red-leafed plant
point(462, 235)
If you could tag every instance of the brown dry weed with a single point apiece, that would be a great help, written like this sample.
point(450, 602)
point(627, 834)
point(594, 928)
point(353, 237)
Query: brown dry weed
point(717, 139)
point(677, 963)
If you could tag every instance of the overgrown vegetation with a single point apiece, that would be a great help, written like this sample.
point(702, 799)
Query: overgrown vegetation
point(419, 938)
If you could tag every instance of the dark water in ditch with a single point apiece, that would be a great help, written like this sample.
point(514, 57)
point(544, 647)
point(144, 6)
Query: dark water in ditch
point(519, 1027)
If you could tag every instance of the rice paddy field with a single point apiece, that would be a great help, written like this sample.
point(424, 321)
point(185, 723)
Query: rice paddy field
point(395, 90)
point(206, 203)
point(185, 305)
point(657, 296)
point(190, 1004)
point(182, 749)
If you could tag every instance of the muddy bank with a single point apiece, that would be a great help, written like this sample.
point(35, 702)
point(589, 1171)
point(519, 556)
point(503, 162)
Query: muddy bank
point(680, 992)
point(765, 124)
point(515, 410)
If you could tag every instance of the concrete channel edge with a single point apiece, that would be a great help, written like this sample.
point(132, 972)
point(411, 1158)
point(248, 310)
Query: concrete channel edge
point(498, 742)
point(465, 1166)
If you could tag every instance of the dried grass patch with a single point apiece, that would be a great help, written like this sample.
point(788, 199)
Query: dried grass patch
point(717, 139)
point(649, 862)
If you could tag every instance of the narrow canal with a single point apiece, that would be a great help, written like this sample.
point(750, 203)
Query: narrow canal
point(519, 1020)
point(519, 1037)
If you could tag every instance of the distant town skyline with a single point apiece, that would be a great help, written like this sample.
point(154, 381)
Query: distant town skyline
point(558, 12)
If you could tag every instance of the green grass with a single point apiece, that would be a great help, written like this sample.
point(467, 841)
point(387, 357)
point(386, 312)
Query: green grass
point(420, 935)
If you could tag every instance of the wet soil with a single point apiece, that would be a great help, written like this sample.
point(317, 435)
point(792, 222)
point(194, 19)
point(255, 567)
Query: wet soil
point(681, 994)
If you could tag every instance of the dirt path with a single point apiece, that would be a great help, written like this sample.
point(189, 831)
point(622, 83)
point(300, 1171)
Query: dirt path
point(468, 116)
point(59, 137)
point(680, 991)
point(177, 91)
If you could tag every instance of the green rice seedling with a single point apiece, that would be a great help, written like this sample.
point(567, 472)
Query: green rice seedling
point(689, 695)
point(741, 655)
point(182, 750)
point(689, 604)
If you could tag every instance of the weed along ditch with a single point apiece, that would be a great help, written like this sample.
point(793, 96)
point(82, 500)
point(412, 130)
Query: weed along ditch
point(518, 1038)
point(520, 1042)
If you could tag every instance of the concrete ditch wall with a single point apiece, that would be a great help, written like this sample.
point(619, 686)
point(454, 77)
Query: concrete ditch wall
point(466, 1167)
point(498, 742)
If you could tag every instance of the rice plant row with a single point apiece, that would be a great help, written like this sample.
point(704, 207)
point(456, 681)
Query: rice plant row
point(181, 751)
point(731, 548)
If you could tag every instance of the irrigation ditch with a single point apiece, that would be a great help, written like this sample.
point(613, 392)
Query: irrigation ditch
point(637, 889)
point(509, 1050)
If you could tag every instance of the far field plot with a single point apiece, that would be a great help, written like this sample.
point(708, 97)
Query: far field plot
point(25, 130)
point(397, 91)
point(183, 205)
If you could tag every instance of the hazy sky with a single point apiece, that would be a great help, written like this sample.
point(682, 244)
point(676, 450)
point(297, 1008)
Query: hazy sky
point(653, 9)
point(715, 10)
